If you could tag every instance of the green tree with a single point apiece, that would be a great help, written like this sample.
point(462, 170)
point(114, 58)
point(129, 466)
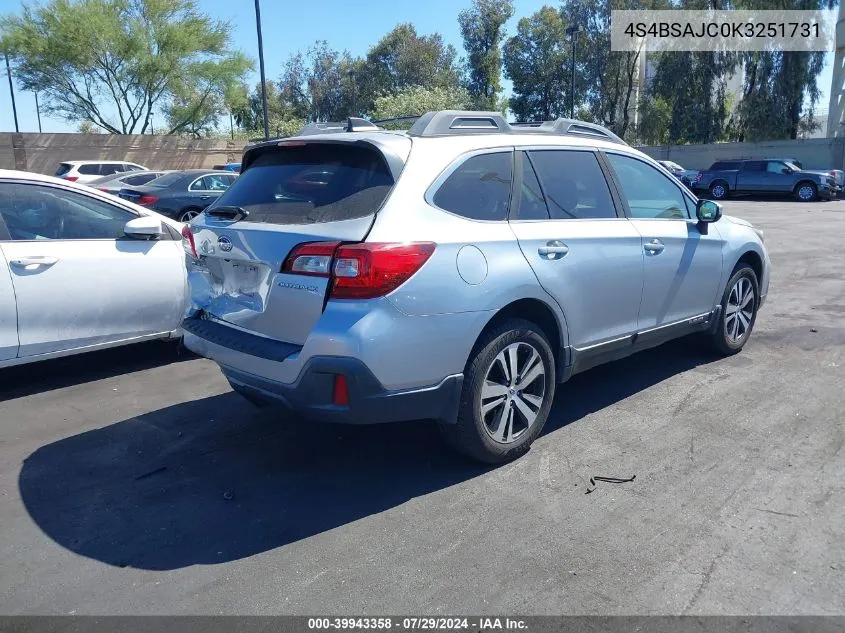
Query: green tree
point(321, 84)
point(536, 61)
point(482, 29)
point(402, 59)
point(418, 100)
point(116, 62)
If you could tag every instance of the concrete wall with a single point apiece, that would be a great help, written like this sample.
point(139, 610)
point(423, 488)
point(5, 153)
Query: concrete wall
point(814, 153)
point(42, 153)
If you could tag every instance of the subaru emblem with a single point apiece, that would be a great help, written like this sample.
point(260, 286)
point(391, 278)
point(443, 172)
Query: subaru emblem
point(224, 243)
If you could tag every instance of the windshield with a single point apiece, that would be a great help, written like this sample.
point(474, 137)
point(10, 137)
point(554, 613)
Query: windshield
point(314, 183)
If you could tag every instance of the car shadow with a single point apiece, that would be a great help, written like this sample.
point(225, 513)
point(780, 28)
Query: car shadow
point(46, 375)
point(215, 480)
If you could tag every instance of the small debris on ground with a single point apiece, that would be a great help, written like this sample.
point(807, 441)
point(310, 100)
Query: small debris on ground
point(609, 480)
point(228, 495)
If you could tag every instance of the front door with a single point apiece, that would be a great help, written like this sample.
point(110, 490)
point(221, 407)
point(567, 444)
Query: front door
point(682, 267)
point(585, 255)
point(77, 279)
point(8, 309)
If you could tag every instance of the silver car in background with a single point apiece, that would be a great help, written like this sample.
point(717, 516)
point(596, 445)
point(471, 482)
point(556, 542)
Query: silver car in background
point(81, 270)
point(457, 272)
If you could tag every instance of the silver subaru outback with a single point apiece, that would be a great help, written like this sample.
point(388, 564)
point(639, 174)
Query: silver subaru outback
point(457, 271)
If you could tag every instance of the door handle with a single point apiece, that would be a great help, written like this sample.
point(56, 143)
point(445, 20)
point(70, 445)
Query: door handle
point(554, 249)
point(654, 247)
point(30, 263)
point(204, 197)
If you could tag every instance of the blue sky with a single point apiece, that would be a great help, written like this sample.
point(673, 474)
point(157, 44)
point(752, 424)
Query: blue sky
point(291, 25)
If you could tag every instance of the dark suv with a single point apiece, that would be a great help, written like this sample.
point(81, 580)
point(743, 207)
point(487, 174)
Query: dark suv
point(778, 176)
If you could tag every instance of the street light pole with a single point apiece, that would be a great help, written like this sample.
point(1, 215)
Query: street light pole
point(12, 92)
point(261, 68)
point(38, 112)
point(572, 31)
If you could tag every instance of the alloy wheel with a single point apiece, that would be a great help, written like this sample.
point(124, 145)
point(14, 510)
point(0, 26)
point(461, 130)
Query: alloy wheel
point(513, 392)
point(188, 215)
point(718, 192)
point(806, 192)
point(740, 310)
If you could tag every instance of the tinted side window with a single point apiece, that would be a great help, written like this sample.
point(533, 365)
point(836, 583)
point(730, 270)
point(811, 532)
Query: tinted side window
point(92, 169)
point(107, 169)
point(754, 165)
point(199, 185)
point(532, 205)
point(649, 193)
point(480, 188)
point(574, 184)
point(34, 212)
point(724, 166)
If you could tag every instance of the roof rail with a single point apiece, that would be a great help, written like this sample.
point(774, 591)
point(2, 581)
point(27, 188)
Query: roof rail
point(459, 122)
point(352, 124)
point(568, 127)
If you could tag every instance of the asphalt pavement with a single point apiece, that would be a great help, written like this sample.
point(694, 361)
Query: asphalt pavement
point(133, 481)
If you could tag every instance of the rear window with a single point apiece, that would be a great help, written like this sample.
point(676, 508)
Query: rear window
point(724, 165)
point(63, 169)
point(311, 184)
point(167, 180)
point(140, 179)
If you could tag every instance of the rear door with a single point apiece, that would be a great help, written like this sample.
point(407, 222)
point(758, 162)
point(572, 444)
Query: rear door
point(77, 279)
point(585, 254)
point(752, 176)
point(238, 278)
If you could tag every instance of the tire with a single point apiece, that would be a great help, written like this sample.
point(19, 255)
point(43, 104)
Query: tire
point(722, 338)
point(719, 190)
point(475, 433)
point(806, 192)
point(188, 214)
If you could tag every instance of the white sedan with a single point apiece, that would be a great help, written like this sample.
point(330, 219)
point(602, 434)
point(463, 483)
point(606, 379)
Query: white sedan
point(82, 270)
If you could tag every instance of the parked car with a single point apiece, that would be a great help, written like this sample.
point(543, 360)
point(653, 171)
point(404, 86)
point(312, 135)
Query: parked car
point(686, 176)
point(725, 178)
point(181, 195)
point(838, 181)
point(114, 183)
point(461, 281)
point(235, 167)
point(81, 270)
point(85, 171)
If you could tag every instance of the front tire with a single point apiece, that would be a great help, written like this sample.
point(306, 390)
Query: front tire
point(740, 303)
point(806, 192)
point(509, 386)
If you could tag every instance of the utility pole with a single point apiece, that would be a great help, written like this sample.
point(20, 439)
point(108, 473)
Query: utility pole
point(12, 92)
point(38, 112)
point(572, 31)
point(261, 69)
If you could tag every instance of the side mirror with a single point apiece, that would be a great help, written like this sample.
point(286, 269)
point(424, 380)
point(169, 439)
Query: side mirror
point(144, 228)
point(786, 170)
point(707, 212)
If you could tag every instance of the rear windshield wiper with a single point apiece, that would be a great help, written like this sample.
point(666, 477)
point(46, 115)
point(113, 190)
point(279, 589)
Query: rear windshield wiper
point(229, 212)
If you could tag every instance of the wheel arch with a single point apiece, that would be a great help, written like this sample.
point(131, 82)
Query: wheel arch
point(544, 316)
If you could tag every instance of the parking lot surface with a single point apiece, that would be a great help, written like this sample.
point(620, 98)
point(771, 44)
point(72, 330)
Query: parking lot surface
point(134, 481)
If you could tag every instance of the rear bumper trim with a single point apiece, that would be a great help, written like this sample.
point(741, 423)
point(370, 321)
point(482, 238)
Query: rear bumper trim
point(229, 337)
point(369, 401)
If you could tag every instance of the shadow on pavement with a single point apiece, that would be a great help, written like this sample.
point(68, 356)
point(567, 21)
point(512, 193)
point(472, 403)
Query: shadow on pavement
point(216, 480)
point(41, 376)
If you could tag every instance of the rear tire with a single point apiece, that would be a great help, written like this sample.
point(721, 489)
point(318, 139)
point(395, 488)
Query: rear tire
point(509, 386)
point(740, 302)
point(189, 214)
point(719, 190)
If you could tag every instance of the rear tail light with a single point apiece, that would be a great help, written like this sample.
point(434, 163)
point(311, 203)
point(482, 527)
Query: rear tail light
point(313, 259)
point(71, 178)
point(188, 242)
point(146, 200)
point(698, 176)
point(359, 271)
